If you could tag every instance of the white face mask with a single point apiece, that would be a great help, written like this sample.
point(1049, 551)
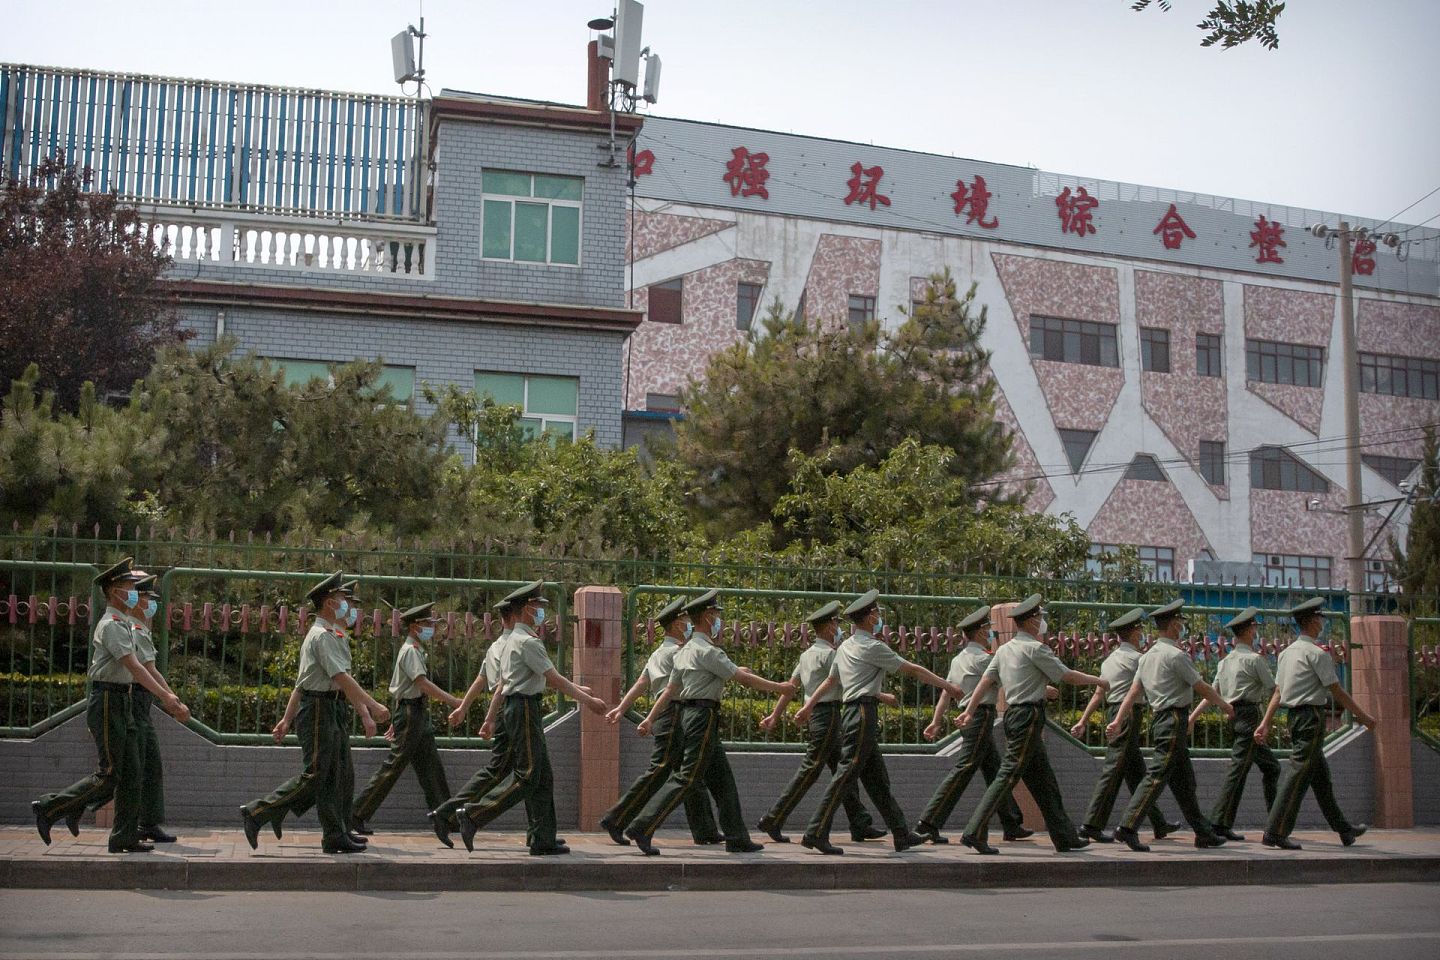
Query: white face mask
point(689, 630)
point(342, 611)
point(1043, 629)
point(880, 626)
point(354, 616)
point(715, 626)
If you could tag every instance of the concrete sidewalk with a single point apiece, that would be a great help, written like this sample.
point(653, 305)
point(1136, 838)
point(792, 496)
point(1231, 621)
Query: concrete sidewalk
point(221, 860)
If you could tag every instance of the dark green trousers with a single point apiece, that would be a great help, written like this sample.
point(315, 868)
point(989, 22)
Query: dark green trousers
point(703, 766)
point(413, 746)
point(530, 779)
point(977, 753)
point(1305, 769)
point(1169, 766)
point(109, 717)
point(323, 742)
point(860, 763)
point(664, 759)
point(1025, 761)
point(822, 749)
point(484, 779)
point(152, 769)
point(1123, 762)
point(1244, 753)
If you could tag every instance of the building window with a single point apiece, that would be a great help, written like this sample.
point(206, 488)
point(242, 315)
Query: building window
point(1414, 377)
point(1212, 462)
point(1154, 350)
point(1393, 469)
point(1207, 354)
point(1294, 570)
point(1074, 341)
point(396, 384)
point(747, 301)
point(1378, 577)
point(1159, 562)
point(549, 406)
point(544, 227)
point(1144, 467)
point(1274, 469)
point(662, 403)
point(1077, 445)
point(1291, 363)
point(862, 310)
point(667, 301)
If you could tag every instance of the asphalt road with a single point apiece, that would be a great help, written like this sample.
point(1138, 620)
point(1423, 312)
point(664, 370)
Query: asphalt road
point(1341, 921)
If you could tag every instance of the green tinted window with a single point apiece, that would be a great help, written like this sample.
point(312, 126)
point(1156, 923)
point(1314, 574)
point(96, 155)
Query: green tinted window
point(564, 234)
point(507, 389)
point(398, 383)
point(558, 188)
point(566, 430)
point(530, 231)
point(531, 426)
point(300, 372)
point(496, 241)
point(553, 395)
point(503, 181)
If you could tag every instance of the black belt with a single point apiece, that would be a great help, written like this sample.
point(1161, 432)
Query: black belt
point(870, 700)
point(1306, 706)
point(523, 696)
point(116, 687)
point(700, 703)
point(1174, 710)
point(412, 700)
point(1027, 703)
point(322, 694)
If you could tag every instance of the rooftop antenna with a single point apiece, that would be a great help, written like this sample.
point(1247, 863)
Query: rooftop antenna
point(403, 59)
point(624, 52)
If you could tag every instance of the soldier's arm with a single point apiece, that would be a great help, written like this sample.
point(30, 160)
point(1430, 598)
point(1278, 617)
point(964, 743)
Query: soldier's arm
point(159, 677)
point(1112, 729)
point(1195, 714)
point(658, 707)
point(641, 684)
point(826, 685)
point(292, 707)
point(370, 710)
point(1091, 706)
point(435, 693)
point(1263, 731)
point(1084, 680)
point(747, 678)
point(1213, 695)
point(477, 687)
point(986, 684)
point(912, 669)
point(558, 681)
point(936, 721)
point(143, 677)
point(1348, 702)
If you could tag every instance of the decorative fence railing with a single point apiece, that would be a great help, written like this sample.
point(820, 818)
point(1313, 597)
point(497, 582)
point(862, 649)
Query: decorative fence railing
point(1425, 679)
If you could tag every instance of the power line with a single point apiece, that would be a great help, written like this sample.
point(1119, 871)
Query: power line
point(1415, 204)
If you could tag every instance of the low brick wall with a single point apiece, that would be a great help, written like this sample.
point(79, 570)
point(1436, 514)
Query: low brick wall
point(1425, 771)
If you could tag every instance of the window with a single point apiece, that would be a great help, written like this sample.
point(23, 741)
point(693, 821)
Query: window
point(1207, 355)
point(1294, 570)
point(1378, 577)
point(548, 405)
point(1399, 376)
point(862, 310)
point(1212, 462)
point(662, 403)
point(1074, 341)
point(1155, 350)
point(1393, 469)
point(1159, 562)
point(667, 301)
point(1292, 363)
point(544, 227)
point(1144, 467)
point(1077, 445)
point(747, 301)
point(1273, 469)
point(396, 384)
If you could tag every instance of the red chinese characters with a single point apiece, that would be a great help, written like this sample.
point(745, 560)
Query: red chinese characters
point(977, 198)
point(1268, 236)
point(746, 174)
point(1173, 229)
point(1362, 258)
point(642, 164)
point(1076, 211)
point(865, 186)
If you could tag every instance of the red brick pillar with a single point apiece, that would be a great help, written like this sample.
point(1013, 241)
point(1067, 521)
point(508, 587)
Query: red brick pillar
point(599, 656)
point(1004, 628)
point(1380, 684)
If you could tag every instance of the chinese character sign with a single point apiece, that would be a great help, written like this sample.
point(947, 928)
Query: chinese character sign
point(642, 164)
point(746, 173)
point(977, 198)
point(1267, 236)
point(1076, 211)
point(1362, 259)
point(865, 186)
point(1173, 229)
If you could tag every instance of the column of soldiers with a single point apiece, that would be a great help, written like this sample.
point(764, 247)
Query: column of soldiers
point(842, 681)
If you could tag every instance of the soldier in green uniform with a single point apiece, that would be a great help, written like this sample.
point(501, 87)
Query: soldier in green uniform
point(411, 736)
point(1023, 667)
point(114, 670)
point(822, 733)
point(859, 669)
point(152, 769)
point(977, 740)
point(322, 725)
point(1245, 681)
point(665, 757)
point(526, 671)
point(697, 680)
point(1305, 677)
point(1170, 681)
point(1123, 759)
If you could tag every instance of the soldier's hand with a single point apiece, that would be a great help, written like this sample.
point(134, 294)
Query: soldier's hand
point(964, 719)
point(281, 728)
point(1112, 729)
point(767, 722)
point(613, 716)
point(1366, 721)
point(932, 730)
point(597, 705)
point(1190, 727)
point(452, 701)
point(1051, 693)
point(643, 727)
point(1228, 710)
point(802, 715)
point(1103, 684)
point(955, 691)
point(888, 699)
point(367, 723)
point(487, 730)
point(1078, 731)
point(456, 717)
point(173, 706)
point(1262, 732)
point(380, 712)
point(582, 689)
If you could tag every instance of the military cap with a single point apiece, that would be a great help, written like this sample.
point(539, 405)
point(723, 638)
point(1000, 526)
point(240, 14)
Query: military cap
point(532, 592)
point(706, 600)
point(147, 584)
point(349, 587)
point(323, 589)
point(1027, 607)
point(977, 617)
point(670, 611)
point(1242, 620)
point(861, 604)
point(422, 612)
point(1168, 611)
point(824, 614)
point(118, 572)
point(1126, 620)
point(1312, 606)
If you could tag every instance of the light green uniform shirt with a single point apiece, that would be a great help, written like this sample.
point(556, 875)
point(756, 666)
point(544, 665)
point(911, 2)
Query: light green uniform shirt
point(1244, 676)
point(494, 664)
point(114, 637)
point(700, 670)
point(1119, 670)
point(1023, 666)
point(1168, 676)
point(409, 667)
point(966, 669)
point(524, 663)
point(861, 663)
point(813, 668)
point(661, 664)
point(323, 654)
point(1305, 673)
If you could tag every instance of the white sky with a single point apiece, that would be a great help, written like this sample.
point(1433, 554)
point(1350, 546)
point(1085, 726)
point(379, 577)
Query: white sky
point(1344, 117)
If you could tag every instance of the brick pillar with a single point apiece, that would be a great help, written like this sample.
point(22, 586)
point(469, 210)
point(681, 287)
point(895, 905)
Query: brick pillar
point(1004, 628)
point(1380, 684)
point(599, 649)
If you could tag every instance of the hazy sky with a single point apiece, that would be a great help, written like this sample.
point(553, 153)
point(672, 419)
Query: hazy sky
point(1344, 117)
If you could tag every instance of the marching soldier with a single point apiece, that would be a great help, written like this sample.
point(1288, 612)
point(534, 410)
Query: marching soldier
point(1305, 675)
point(322, 725)
point(411, 735)
point(152, 769)
point(1023, 667)
point(1245, 681)
point(1123, 759)
point(668, 747)
point(1169, 681)
point(822, 733)
point(114, 670)
point(526, 672)
point(977, 741)
point(859, 669)
point(697, 680)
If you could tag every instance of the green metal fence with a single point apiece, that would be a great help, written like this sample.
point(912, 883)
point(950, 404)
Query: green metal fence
point(46, 612)
point(1425, 679)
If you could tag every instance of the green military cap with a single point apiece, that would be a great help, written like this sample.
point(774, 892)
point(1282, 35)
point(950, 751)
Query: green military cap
point(147, 584)
point(670, 611)
point(422, 612)
point(1169, 610)
point(977, 617)
point(861, 604)
point(706, 600)
point(349, 587)
point(532, 592)
point(1302, 610)
point(1126, 620)
point(1027, 607)
point(118, 572)
point(501, 605)
point(824, 613)
point(1242, 620)
point(323, 589)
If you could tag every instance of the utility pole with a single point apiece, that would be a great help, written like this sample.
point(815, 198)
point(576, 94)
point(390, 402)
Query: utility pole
point(1355, 553)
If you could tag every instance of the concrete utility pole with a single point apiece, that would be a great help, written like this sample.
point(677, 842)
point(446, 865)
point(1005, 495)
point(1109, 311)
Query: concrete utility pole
point(1355, 554)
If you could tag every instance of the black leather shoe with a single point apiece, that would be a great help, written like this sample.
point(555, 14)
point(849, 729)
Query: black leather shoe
point(252, 829)
point(771, 829)
point(42, 822)
point(1348, 837)
point(743, 846)
point(1279, 843)
point(1131, 839)
point(616, 835)
point(904, 841)
point(1229, 834)
point(1204, 841)
point(643, 842)
point(362, 828)
point(709, 841)
point(1096, 834)
point(356, 839)
point(467, 832)
point(1166, 829)
point(932, 834)
point(72, 823)
point(1079, 843)
point(136, 847)
point(1019, 833)
point(821, 845)
point(275, 827)
point(156, 835)
point(978, 845)
point(558, 850)
point(343, 845)
point(869, 833)
point(441, 826)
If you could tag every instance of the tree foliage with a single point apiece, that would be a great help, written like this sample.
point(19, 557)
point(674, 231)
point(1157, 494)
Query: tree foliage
point(1417, 563)
point(1233, 22)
